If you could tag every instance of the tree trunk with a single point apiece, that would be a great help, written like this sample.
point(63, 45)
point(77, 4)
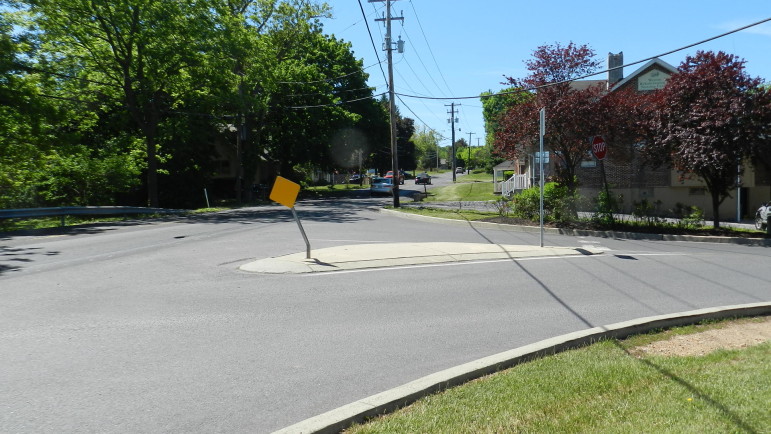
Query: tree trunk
point(715, 209)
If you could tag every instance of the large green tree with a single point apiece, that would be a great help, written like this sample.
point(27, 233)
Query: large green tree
point(140, 53)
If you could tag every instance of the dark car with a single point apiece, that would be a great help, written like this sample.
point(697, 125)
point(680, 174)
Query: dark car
point(423, 178)
point(355, 179)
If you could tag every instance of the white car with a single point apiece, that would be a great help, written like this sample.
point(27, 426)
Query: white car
point(761, 216)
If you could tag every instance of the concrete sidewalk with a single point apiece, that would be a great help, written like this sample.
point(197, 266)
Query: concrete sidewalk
point(361, 256)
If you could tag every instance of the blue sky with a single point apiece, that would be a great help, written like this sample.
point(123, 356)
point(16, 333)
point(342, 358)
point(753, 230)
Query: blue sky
point(460, 49)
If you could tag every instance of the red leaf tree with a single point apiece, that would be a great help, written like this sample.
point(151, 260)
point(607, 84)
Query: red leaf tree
point(573, 113)
point(710, 118)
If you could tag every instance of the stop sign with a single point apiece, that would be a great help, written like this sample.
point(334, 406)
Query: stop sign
point(599, 148)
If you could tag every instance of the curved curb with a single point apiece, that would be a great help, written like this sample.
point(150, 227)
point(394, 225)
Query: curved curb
point(758, 242)
point(340, 418)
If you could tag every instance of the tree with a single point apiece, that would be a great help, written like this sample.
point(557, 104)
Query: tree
point(495, 105)
point(139, 53)
point(426, 147)
point(572, 115)
point(711, 118)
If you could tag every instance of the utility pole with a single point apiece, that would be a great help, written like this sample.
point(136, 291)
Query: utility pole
point(388, 47)
point(452, 121)
point(468, 160)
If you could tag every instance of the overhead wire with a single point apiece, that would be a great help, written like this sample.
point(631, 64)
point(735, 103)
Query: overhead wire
point(420, 58)
point(374, 48)
point(420, 26)
point(533, 88)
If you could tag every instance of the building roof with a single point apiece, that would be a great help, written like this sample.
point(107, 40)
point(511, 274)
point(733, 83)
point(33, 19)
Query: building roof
point(506, 165)
point(658, 62)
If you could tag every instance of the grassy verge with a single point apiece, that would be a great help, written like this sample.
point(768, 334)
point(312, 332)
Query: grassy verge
point(456, 214)
point(602, 388)
point(13, 225)
point(462, 191)
point(477, 177)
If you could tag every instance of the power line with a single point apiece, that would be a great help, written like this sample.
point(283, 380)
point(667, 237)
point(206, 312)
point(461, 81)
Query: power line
point(595, 73)
point(420, 58)
point(429, 47)
point(336, 103)
point(374, 48)
point(326, 80)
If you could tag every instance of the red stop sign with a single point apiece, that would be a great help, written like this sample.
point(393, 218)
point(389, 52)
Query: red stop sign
point(599, 148)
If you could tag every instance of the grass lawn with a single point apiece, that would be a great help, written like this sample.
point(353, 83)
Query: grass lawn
point(602, 388)
point(477, 177)
point(462, 191)
point(459, 214)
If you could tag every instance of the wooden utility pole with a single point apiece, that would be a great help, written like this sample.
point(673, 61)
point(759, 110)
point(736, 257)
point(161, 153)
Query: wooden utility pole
point(388, 46)
point(452, 123)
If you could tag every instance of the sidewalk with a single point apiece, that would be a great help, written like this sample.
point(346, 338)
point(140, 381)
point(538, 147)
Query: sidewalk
point(362, 256)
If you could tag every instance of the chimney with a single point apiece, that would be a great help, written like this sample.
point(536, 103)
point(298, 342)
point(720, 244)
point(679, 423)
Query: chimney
point(615, 61)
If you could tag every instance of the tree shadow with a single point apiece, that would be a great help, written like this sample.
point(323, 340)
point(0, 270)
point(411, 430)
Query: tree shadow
point(11, 258)
point(736, 419)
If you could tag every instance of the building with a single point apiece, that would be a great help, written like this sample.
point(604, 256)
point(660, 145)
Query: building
point(662, 188)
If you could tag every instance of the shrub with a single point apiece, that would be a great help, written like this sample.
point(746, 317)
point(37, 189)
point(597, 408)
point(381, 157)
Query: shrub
point(559, 205)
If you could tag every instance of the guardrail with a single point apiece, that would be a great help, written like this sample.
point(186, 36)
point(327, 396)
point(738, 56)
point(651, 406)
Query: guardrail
point(64, 211)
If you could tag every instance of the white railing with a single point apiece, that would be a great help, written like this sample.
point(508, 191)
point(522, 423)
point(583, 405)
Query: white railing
point(514, 184)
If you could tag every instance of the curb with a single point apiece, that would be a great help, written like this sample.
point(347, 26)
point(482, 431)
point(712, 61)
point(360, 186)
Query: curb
point(338, 419)
point(756, 242)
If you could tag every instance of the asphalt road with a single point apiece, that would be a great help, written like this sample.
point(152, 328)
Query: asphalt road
point(150, 327)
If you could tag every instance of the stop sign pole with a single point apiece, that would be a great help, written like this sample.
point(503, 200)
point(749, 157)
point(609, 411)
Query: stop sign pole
point(600, 150)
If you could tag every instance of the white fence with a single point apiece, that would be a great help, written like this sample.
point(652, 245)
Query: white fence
point(514, 184)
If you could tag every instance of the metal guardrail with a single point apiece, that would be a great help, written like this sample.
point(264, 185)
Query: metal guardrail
point(63, 211)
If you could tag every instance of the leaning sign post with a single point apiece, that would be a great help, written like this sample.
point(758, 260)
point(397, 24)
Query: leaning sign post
point(285, 192)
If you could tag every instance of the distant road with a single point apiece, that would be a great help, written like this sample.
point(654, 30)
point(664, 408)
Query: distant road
point(150, 327)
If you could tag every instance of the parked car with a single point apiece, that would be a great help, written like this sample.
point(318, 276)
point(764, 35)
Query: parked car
point(423, 178)
point(381, 186)
point(356, 179)
point(761, 216)
point(458, 170)
point(390, 175)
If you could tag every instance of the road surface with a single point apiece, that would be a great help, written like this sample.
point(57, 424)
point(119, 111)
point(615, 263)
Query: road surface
point(151, 327)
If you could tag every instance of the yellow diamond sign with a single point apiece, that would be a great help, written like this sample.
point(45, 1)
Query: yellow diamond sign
point(284, 192)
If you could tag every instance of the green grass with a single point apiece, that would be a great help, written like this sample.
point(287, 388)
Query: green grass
point(477, 177)
point(455, 214)
point(602, 388)
point(462, 191)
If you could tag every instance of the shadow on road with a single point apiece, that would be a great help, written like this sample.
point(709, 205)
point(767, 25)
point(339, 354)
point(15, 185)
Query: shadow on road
point(11, 258)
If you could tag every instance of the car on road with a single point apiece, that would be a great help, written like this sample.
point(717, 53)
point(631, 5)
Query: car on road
point(381, 186)
point(390, 175)
point(355, 179)
point(761, 216)
point(458, 170)
point(423, 178)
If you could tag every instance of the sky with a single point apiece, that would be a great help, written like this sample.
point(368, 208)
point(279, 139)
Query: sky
point(460, 49)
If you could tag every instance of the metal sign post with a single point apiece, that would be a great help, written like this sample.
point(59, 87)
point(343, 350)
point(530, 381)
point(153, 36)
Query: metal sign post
point(285, 192)
point(540, 162)
point(302, 231)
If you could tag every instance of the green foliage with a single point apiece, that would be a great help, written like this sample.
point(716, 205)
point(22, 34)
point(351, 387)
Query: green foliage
point(502, 206)
point(606, 205)
point(83, 83)
point(691, 217)
point(559, 204)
